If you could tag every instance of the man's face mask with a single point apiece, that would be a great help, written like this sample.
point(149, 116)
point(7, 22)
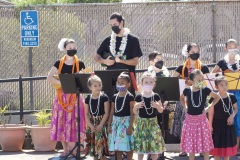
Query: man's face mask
point(116, 29)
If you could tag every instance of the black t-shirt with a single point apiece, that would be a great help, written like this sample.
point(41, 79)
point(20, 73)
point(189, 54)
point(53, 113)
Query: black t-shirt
point(126, 106)
point(218, 108)
point(152, 111)
point(223, 65)
point(204, 70)
point(94, 103)
point(196, 110)
point(68, 68)
point(132, 50)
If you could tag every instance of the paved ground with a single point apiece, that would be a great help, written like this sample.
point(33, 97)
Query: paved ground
point(172, 149)
point(33, 155)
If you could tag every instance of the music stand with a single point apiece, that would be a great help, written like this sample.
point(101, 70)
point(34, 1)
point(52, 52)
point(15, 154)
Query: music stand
point(233, 80)
point(75, 83)
point(168, 89)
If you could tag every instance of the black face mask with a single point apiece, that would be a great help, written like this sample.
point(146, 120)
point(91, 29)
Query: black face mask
point(116, 29)
point(194, 56)
point(159, 64)
point(72, 52)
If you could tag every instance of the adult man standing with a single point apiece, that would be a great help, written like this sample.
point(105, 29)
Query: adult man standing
point(122, 48)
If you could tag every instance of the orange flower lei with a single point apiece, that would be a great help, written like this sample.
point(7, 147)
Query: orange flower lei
point(71, 98)
point(187, 64)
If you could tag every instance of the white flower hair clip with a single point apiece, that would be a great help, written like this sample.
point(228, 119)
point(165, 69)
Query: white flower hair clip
point(61, 43)
point(184, 50)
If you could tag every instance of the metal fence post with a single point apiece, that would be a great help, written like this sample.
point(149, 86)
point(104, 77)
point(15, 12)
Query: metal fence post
point(214, 33)
point(21, 97)
point(30, 75)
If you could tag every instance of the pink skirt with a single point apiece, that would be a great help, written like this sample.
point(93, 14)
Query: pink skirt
point(64, 125)
point(196, 135)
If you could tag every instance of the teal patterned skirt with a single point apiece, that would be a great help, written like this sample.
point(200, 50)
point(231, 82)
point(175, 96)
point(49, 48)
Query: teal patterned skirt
point(118, 140)
point(148, 137)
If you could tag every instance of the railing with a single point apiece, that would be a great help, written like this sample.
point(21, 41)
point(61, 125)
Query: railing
point(32, 93)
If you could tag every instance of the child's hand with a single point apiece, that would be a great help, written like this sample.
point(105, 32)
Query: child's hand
point(109, 129)
point(211, 128)
point(93, 129)
point(139, 105)
point(230, 119)
point(129, 130)
point(205, 110)
point(99, 128)
point(186, 109)
point(155, 104)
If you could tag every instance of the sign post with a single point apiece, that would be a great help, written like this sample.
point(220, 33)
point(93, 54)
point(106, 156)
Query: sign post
point(29, 29)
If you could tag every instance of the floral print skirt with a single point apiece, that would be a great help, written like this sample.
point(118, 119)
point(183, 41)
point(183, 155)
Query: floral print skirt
point(148, 137)
point(64, 125)
point(96, 142)
point(118, 140)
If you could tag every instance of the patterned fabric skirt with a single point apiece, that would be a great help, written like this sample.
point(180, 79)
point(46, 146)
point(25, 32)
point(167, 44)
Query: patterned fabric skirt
point(196, 134)
point(64, 125)
point(148, 137)
point(224, 139)
point(118, 140)
point(96, 142)
point(178, 118)
point(237, 116)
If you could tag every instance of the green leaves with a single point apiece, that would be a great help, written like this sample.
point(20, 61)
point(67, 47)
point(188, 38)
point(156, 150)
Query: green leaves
point(43, 118)
point(2, 111)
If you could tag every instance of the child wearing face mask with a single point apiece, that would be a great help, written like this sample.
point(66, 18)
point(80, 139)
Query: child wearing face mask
point(157, 65)
point(196, 135)
point(157, 68)
point(192, 52)
point(121, 118)
point(231, 63)
point(147, 134)
point(65, 108)
point(221, 118)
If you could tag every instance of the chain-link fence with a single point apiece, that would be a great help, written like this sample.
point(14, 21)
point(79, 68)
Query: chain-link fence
point(165, 27)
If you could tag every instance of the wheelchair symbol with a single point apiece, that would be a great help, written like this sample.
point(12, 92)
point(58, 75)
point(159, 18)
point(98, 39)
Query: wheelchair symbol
point(28, 20)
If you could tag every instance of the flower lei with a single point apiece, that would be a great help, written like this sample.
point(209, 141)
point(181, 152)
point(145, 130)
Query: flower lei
point(237, 59)
point(123, 43)
point(71, 98)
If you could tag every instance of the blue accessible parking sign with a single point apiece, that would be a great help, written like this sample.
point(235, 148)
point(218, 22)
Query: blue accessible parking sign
point(29, 28)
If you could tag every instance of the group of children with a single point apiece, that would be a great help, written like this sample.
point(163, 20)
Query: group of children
point(124, 123)
point(115, 128)
point(212, 133)
point(122, 132)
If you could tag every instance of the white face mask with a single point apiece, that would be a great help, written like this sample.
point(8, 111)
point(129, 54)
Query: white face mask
point(233, 51)
point(147, 88)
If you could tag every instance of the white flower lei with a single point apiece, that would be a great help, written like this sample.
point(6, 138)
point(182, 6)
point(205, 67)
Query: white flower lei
point(123, 43)
point(237, 59)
